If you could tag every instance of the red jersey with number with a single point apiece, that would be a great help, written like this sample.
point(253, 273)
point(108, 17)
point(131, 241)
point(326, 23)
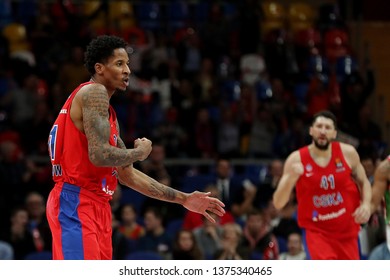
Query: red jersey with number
point(68, 150)
point(327, 196)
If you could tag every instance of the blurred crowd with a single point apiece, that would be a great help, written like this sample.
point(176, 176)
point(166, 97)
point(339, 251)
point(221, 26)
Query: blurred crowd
point(210, 80)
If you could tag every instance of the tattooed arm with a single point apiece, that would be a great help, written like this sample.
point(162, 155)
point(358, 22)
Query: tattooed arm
point(96, 126)
point(198, 202)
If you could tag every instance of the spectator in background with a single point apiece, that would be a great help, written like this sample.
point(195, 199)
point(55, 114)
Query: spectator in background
point(228, 134)
point(262, 134)
point(269, 183)
point(120, 243)
point(128, 224)
point(34, 131)
point(37, 223)
point(17, 171)
point(188, 50)
point(295, 248)
point(171, 135)
point(139, 47)
point(283, 221)
point(156, 239)
point(154, 165)
point(355, 90)
point(369, 164)
point(215, 32)
point(246, 107)
point(231, 242)
point(208, 237)
point(237, 195)
point(204, 133)
point(19, 236)
point(317, 97)
point(367, 131)
point(258, 237)
point(185, 247)
point(22, 100)
point(72, 71)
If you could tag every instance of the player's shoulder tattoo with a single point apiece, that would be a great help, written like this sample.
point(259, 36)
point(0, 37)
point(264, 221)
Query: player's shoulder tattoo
point(95, 97)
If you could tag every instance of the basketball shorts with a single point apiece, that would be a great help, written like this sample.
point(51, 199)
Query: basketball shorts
point(318, 246)
point(80, 222)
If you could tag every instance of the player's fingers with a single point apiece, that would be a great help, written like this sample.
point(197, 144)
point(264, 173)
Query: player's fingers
point(216, 210)
point(208, 217)
point(217, 201)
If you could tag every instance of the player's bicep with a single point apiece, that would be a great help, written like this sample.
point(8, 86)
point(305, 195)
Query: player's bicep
point(96, 124)
point(359, 174)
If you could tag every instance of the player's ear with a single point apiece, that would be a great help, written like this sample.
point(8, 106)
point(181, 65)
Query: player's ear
point(99, 67)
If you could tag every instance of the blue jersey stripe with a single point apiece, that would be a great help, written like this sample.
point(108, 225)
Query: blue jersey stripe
point(72, 241)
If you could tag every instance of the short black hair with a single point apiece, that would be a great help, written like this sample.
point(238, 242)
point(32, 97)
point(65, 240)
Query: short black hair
point(325, 114)
point(100, 49)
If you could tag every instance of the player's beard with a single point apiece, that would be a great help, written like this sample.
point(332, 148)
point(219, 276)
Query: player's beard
point(322, 147)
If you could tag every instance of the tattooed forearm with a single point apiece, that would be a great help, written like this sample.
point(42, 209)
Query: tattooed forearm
point(160, 191)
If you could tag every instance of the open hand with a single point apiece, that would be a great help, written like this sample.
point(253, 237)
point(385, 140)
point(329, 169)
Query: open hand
point(202, 203)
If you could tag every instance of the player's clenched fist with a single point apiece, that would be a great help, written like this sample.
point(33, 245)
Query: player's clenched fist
point(143, 146)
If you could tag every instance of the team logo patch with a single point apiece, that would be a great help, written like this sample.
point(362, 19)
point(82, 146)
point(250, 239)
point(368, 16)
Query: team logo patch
point(339, 165)
point(309, 168)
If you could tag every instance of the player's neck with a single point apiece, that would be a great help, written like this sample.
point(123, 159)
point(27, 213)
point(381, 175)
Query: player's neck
point(96, 80)
point(320, 156)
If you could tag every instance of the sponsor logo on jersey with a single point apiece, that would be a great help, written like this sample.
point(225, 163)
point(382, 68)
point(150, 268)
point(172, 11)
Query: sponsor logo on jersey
point(316, 217)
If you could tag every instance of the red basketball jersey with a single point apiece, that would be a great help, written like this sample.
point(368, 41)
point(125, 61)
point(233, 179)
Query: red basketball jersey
point(327, 196)
point(68, 150)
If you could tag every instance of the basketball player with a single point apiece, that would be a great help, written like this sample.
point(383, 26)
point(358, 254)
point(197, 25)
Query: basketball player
point(332, 191)
point(88, 155)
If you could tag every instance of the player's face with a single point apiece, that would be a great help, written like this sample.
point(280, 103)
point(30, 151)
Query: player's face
point(117, 70)
point(323, 132)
